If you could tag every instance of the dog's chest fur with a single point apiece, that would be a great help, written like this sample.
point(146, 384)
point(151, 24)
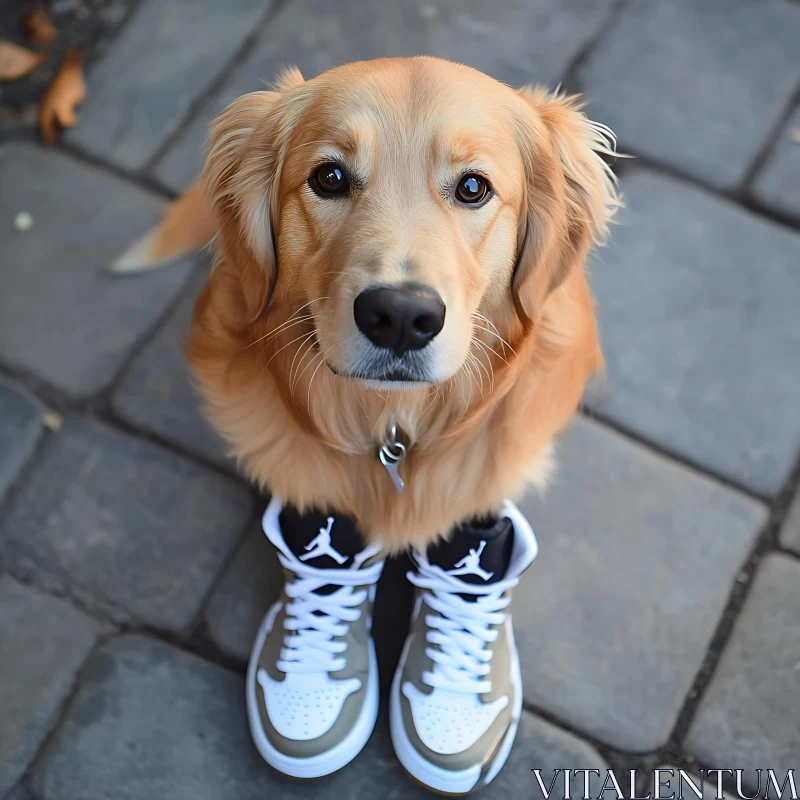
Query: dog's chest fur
point(452, 471)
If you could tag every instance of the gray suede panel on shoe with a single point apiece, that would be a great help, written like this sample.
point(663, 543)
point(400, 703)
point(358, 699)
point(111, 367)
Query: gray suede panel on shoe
point(500, 675)
point(356, 666)
point(417, 661)
point(270, 652)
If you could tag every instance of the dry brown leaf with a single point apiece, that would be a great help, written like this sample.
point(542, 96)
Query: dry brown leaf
point(38, 27)
point(188, 224)
point(57, 106)
point(16, 61)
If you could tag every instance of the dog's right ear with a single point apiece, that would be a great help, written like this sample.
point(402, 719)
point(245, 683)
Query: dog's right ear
point(242, 174)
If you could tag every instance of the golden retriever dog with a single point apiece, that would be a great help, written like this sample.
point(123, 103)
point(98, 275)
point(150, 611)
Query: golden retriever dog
point(400, 247)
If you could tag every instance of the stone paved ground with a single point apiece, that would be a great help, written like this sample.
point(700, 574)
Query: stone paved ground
point(659, 624)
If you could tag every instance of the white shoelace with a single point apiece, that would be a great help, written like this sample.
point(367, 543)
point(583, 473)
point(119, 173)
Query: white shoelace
point(317, 618)
point(461, 662)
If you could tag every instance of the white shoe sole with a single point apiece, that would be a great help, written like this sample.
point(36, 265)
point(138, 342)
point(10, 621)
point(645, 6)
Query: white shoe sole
point(433, 776)
point(323, 763)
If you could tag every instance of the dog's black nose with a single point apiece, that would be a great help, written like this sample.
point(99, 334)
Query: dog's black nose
point(400, 318)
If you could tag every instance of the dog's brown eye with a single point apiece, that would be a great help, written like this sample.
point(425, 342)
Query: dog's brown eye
point(329, 180)
point(473, 190)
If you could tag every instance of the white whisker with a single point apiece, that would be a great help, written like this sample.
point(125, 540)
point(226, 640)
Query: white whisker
point(478, 315)
point(305, 369)
point(483, 367)
point(489, 349)
point(472, 361)
point(495, 334)
point(285, 327)
point(309, 349)
point(284, 324)
point(314, 375)
point(304, 336)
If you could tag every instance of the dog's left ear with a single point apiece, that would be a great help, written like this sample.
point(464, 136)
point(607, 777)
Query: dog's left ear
point(570, 194)
point(242, 174)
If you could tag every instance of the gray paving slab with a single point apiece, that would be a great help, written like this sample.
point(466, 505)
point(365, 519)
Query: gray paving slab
point(133, 528)
point(778, 182)
point(44, 643)
point(158, 393)
point(20, 428)
point(698, 86)
point(140, 698)
point(166, 56)
point(62, 316)
point(748, 716)
point(790, 531)
point(637, 559)
point(544, 747)
point(249, 586)
point(697, 303)
point(517, 42)
point(152, 721)
point(22, 792)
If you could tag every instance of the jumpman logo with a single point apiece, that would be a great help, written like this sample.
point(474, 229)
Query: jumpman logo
point(321, 545)
point(471, 565)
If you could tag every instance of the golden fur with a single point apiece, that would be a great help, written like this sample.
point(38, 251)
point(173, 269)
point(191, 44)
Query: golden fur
point(520, 334)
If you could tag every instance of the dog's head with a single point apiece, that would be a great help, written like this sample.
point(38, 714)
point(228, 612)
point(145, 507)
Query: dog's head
point(403, 209)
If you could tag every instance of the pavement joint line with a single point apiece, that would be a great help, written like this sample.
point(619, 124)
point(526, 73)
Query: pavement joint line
point(247, 47)
point(136, 177)
point(52, 397)
point(96, 408)
point(784, 551)
point(199, 618)
point(76, 153)
point(570, 80)
point(770, 140)
point(30, 579)
point(24, 469)
point(66, 705)
point(100, 609)
point(203, 646)
point(737, 196)
point(676, 457)
point(728, 784)
point(63, 710)
point(740, 591)
point(21, 479)
point(19, 787)
point(766, 542)
point(112, 420)
point(106, 394)
point(615, 756)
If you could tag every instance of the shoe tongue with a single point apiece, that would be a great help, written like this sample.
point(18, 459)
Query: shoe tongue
point(321, 540)
point(478, 551)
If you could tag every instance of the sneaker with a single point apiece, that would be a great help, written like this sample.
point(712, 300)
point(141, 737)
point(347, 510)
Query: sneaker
point(312, 680)
point(456, 696)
